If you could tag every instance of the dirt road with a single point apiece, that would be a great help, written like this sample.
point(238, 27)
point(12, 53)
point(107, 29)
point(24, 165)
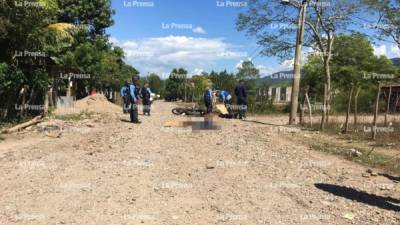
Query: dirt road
point(109, 172)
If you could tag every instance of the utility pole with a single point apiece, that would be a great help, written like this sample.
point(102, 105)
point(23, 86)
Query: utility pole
point(294, 102)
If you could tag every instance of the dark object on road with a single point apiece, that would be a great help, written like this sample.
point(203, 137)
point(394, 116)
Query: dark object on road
point(189, 111)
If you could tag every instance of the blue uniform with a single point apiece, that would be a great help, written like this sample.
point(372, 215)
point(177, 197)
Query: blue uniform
point(132, 93)
point(225, 96)
point(123, 91)
point(134, 108)
point(208, 100)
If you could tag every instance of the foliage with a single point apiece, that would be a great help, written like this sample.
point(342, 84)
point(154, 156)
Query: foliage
point(175, 84)
point(388, 26)
point(223, 80)
point(247, 71)
point(68, 34)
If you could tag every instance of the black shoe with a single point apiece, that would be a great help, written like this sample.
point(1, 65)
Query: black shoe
point(137, 122)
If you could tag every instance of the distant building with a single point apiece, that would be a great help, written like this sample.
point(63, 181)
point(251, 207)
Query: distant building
point(278, 95)
point(276, 88)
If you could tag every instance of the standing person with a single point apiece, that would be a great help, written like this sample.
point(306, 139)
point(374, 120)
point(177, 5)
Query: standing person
point(125, 97)
point(134, 99)
point(225, 98)
point(241, 94)
point(146, 96)
point(208, 97)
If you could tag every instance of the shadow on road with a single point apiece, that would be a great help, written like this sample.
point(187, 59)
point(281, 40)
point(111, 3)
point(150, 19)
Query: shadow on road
point(390, 177)
point(126, 120)
point(387, 203)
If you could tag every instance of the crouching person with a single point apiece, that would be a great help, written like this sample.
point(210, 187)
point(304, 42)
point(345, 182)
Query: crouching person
point(225, 97)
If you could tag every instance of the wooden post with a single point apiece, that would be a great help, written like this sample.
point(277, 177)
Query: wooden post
point(356, 108)
point(388, 105)
point(374, 128)
point(396, 102)
point(46, 103)
point(309, 109)
point(302, 113)
point(346, 127)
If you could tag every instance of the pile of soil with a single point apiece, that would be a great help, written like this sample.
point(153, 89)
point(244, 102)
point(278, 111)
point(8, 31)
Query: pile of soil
point(97, 103)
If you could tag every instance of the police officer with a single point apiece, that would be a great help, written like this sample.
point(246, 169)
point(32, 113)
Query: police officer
point(225, 98)
point(241, 94)
point(125, 96)
point(208, 98)
point(146, 97)
point(134, 99)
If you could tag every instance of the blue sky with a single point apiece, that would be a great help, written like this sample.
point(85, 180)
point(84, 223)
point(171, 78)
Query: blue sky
point(198, 35)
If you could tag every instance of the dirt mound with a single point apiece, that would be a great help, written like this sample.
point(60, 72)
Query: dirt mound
point(97, 103)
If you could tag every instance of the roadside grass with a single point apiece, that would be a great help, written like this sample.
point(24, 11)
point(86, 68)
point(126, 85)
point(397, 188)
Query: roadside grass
point(369, 157)
point(362, 133)
point(74, 117)
point(360, 140)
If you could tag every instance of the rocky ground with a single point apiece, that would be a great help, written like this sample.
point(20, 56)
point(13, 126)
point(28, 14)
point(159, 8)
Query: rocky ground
point(103, 170)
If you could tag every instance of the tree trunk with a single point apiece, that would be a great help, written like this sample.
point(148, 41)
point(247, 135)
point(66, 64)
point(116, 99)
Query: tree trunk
point(396, 102)
point(302, 112)
point(23, 102)
point(374, 128)
point(309, 109)
point(51, 100)
point(19, 127)
point(327, 95)
point(388, 105)
point(324, 105)
point(346, 127)
point(356, 108)
point(46, 103)
point(69, 88)
point(297, 65)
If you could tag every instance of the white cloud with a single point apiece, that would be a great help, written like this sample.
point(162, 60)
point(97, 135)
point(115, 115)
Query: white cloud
point(197, 71)
point(268, 70)
point(390, 51)
point(199, 30)
point(162, 54)
point(394, 51)
point(380, 50)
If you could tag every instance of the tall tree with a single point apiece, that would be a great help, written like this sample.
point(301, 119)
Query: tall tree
point(247, 71)
point(275, 24)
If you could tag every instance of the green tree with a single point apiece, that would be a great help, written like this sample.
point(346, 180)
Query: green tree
point(275, 24)
point(95, 14)
point(175, 84)
point(247, 71)
point(201, 83)
point(155, 82)
point(223, 80)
